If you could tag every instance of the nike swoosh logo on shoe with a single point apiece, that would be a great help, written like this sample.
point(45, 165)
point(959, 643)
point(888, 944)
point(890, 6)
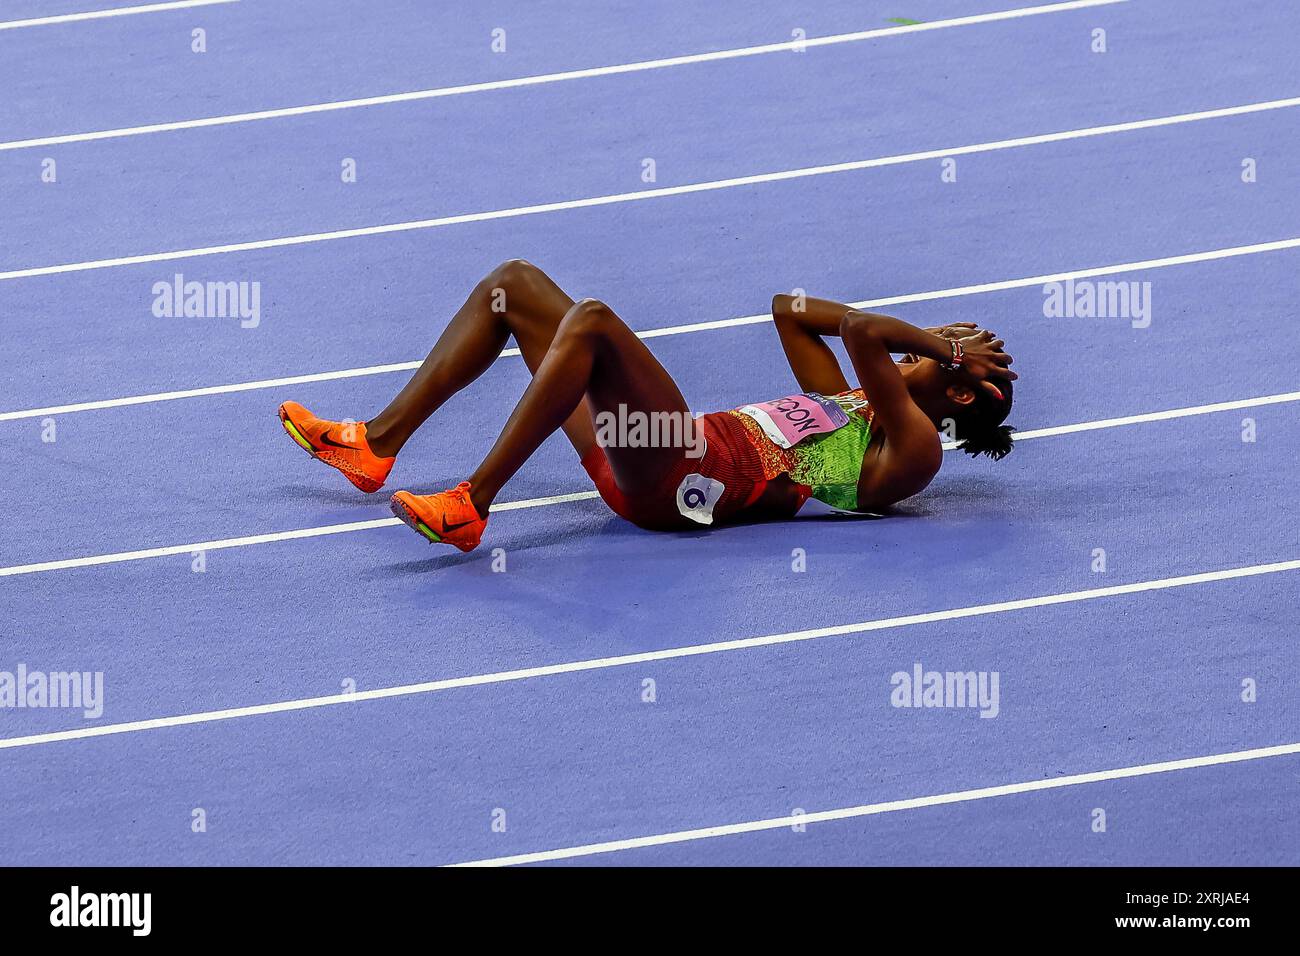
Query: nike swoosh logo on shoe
point(326, 440)
point(449, 528)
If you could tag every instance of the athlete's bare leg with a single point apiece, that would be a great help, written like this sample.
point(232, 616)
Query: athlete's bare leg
point(593, 356)
point(580, 354)
point(516, 298)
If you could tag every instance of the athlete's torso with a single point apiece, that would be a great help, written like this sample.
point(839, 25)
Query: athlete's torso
point(777, 470)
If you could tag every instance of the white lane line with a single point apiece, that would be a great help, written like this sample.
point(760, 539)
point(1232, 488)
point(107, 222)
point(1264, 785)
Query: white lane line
point(1003, 285)
point(272, 537)
point(268, 538)
point(1279, 399)
point(658, 193)
point(892, 806)
point(540, 79)
point(672, 653)
point(101, 14)
point(215, 390)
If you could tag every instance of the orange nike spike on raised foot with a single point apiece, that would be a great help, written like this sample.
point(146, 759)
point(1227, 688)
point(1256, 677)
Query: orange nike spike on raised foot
point(448, 517)
point(341, 445)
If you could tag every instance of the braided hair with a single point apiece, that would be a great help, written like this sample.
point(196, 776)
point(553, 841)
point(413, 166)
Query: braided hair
point(979, 425)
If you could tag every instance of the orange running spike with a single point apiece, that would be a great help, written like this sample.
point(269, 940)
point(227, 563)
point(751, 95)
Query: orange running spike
point(339, 444)
point(448, 516)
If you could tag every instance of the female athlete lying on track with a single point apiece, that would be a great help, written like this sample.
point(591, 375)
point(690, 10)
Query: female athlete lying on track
point(857, 449)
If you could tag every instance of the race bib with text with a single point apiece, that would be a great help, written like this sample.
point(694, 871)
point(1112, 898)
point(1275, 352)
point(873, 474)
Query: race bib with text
point(787, 421)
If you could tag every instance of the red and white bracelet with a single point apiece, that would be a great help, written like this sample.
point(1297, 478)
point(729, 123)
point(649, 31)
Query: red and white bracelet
point(958, 356)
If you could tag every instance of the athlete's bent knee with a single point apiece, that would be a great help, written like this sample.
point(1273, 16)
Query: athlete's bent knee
point(512, 274)
point(588, 317)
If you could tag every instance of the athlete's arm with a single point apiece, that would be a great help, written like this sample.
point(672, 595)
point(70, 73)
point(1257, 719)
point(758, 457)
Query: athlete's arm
point(912, 452)
point(801, 323)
